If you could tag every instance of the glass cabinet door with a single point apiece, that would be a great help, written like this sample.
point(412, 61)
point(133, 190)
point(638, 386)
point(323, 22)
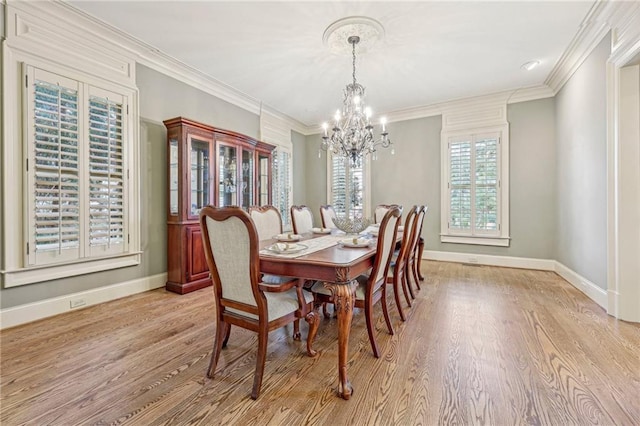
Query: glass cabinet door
point(199, 178)
point(227, 175)
point(263, 179)
point(173, 177)
point(247, 179)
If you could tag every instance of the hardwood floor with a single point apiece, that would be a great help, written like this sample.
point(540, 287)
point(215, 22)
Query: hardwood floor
point(481, 345)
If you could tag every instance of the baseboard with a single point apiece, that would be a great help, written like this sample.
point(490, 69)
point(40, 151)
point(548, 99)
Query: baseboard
point(594, 292)
point(29, 312)
point(485, 259)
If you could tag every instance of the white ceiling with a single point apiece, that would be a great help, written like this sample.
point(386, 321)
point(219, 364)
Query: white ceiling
point(432, 51)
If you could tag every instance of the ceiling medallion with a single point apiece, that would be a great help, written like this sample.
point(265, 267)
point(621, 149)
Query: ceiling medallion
point(369, 30)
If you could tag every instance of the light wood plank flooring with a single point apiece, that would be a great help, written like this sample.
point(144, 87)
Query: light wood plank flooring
point(481, 345)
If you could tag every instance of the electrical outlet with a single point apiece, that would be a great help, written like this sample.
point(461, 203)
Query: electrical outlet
point(472, 259)
point(76, 303)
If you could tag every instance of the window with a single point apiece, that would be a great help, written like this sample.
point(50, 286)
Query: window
point(282, 184)
point(475, 201)
point(348, 184)
point(77, 150)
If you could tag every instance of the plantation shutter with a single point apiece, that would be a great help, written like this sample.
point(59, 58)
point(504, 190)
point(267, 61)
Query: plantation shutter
point(356, 190)
point(339, 185)
point(347, 187)
point(474, 184)
point(460, 184)
point(54, 172)
point(106, 173)
point(282, 184)
point(486, 183)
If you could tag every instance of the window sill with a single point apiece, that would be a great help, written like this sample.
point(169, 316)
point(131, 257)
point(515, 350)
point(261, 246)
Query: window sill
point(17, 277)
point(483, 241)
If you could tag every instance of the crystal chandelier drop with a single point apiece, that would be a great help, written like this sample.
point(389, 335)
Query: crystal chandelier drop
point(352, 132)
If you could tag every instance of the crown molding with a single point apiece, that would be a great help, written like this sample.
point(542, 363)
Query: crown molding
point(626, 34)
point(594, 27)
point(284, 119)
point(505, 97)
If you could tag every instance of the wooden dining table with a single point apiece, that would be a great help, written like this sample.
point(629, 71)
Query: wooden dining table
point(338, 268)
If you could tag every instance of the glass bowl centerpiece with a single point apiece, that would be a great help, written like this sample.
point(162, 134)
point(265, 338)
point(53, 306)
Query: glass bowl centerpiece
point(352, 226)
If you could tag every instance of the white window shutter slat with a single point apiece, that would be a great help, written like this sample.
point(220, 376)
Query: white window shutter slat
point(347, 187)
point(282, 183)
point(106, 173)
point(53, 122)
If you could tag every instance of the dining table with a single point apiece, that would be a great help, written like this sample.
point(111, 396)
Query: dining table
point(337, 265)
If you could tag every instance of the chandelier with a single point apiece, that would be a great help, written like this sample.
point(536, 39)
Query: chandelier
point(352, 133)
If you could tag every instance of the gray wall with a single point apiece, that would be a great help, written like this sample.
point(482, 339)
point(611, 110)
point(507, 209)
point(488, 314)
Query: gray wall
point(412, 176)
point(316, 170)
point(161, 97)
point(582, 163)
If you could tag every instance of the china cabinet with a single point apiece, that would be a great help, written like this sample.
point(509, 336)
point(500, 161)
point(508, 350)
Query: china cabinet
point(207, 165)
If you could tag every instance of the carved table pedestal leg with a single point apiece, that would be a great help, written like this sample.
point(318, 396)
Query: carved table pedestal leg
point(344, 296)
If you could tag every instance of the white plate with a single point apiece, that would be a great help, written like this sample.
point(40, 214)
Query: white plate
point(283, 248)
point(374, 231)
point(321, 230)
point(288, 237)
point(361, 242)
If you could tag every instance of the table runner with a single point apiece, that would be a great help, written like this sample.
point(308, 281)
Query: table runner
point(314, 244)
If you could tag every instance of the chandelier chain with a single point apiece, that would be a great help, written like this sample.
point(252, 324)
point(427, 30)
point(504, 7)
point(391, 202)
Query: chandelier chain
point(353, 44)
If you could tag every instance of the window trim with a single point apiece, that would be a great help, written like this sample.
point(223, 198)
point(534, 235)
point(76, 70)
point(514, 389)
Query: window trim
point(16, 268)
point(501, 237)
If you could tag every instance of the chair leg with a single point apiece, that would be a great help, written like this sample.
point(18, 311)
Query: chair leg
point(263, 337)
point(368, 314)
point(407, 279)
point(226, 337)
point(405, 290)
point(222, 331)
point(296, 330)
point(420, 251)
point(416, 276)
point(396, 293)
point(313, 320)
point(385, 309)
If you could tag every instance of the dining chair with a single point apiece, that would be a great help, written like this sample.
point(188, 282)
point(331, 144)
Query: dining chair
point(412, 263)
point(381, 210)
point(268, 221)
point(231, 248)
point(398, 269)
point(372, 286)
point(327, 213)
point(415, 255)
point(302, 219)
